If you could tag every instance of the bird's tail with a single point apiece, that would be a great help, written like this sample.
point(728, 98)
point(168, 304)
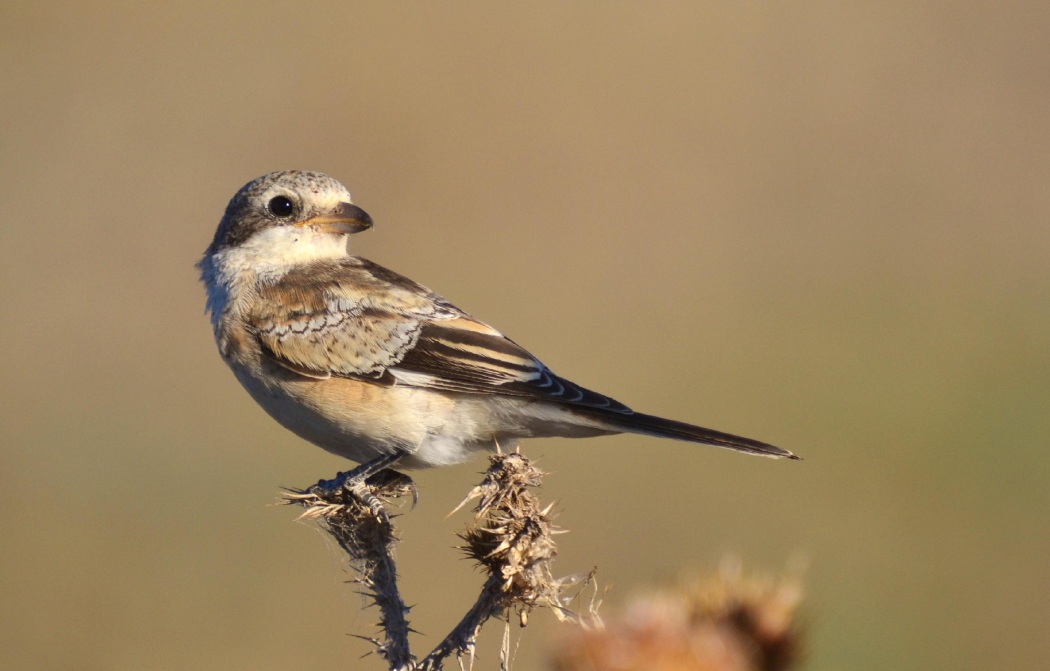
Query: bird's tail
point(660, 427)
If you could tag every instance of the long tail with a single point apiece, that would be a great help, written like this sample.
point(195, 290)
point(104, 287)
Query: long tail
point(660, 427)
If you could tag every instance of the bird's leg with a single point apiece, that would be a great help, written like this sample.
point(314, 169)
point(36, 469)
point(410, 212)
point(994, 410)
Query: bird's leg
point(395, 481)
point(355, 477)
point(364, 481)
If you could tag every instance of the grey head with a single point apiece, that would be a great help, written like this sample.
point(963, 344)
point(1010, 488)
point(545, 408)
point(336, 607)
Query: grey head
point(288, 198)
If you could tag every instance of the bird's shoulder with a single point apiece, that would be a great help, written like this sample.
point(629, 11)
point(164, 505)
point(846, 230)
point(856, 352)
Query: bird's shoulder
point(351, 285)
point(348, 317)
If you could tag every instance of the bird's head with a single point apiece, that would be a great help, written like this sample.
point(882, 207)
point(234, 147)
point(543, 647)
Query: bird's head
point(290, 212)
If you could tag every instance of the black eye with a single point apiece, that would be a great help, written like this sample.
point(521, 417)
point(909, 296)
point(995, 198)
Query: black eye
point(280, 206)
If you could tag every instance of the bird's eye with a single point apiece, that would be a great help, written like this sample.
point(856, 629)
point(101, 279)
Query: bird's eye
point(280, 206)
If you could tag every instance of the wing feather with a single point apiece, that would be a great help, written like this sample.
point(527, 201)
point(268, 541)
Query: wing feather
point(356, 319)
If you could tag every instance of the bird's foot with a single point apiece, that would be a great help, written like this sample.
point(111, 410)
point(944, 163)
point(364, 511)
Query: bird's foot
point(341, 481)
point(370, 483)
point(393, 484)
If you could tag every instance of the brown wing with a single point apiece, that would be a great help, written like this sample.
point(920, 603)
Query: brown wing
point(351, 318)
point(357, 319)
point(469, 356)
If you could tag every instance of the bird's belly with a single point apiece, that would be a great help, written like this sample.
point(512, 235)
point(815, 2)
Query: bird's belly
point(361, 421)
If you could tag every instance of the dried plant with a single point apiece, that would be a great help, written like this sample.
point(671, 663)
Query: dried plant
point(357, 520)
point(510, 536)
point(728, 623)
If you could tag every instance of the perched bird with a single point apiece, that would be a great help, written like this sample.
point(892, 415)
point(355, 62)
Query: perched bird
point(372, 366)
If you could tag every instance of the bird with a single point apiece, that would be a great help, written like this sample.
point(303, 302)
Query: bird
point(372, 366)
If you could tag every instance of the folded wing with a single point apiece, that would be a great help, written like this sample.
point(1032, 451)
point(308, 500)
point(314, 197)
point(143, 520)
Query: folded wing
point(356, 319)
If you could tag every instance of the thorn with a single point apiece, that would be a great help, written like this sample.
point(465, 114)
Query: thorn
point(474, 493)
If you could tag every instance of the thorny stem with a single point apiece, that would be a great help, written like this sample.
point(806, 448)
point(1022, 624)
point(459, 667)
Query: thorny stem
point(366, 535)
point(462, 638)
point(510, 536)
point(735, 625)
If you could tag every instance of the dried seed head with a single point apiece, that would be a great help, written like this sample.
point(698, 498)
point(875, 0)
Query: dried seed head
point(723, 624)
point(511, 536)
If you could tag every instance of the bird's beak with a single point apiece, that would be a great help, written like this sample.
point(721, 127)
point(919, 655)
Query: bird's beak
point(344, 219)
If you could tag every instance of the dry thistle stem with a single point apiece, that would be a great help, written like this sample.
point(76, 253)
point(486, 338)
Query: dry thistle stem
point(728, 623)
point(511, 537)
point(358, 522)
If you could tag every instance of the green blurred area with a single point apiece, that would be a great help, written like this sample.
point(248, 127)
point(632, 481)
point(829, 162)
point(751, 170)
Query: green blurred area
point(824, 225)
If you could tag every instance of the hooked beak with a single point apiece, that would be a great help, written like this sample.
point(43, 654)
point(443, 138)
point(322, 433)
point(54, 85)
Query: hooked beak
point(345, 219)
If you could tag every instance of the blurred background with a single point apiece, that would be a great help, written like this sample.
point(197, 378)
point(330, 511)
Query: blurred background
point(824, 225)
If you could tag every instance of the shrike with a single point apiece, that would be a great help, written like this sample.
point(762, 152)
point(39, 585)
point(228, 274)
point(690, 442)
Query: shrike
point(372, 366)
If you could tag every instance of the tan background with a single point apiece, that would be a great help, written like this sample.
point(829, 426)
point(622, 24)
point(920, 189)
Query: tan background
point(820, 224)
